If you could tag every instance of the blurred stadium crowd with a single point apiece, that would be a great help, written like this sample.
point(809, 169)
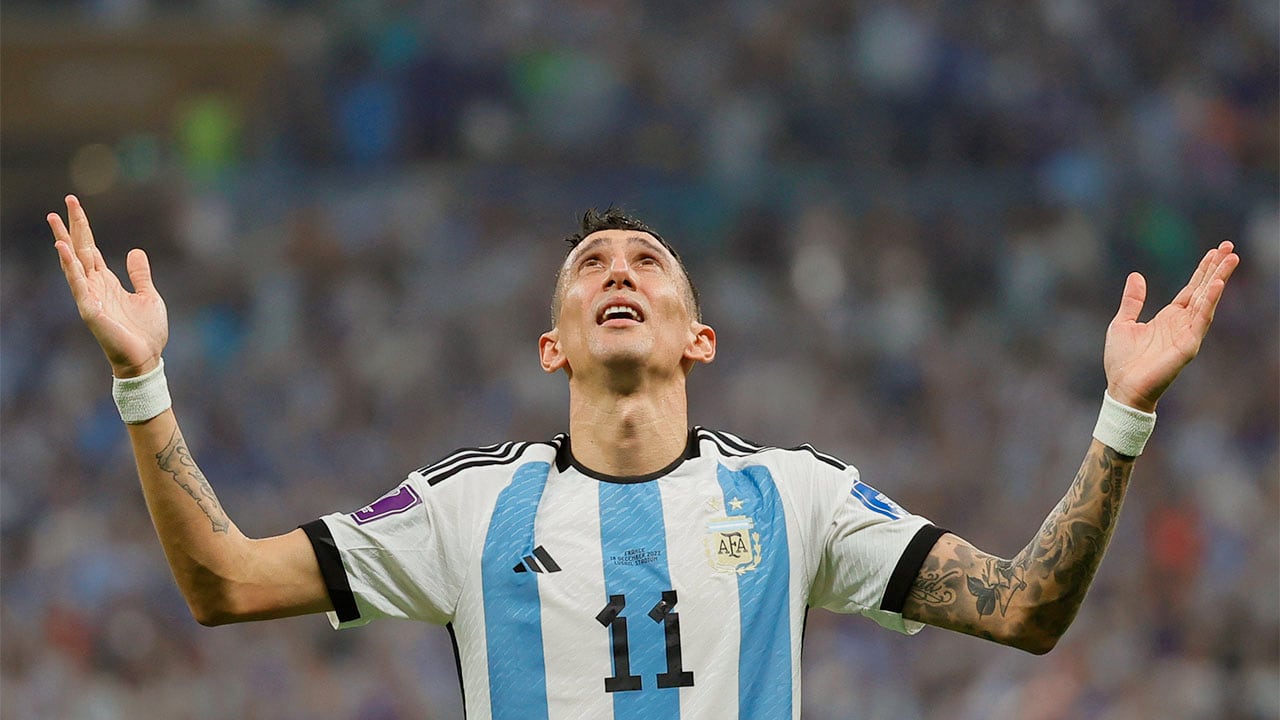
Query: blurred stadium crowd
point(910, 223)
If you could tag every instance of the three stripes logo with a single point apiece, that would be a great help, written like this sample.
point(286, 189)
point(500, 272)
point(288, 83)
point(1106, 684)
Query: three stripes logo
point(539, 561)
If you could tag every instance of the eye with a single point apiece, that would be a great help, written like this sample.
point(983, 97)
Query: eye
point(648, 261)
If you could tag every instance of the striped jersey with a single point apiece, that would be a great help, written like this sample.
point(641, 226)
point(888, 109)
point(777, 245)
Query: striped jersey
point(680, 594)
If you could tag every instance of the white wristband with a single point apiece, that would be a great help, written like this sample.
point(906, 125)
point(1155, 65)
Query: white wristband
point(141, 398)
point(1123, 428)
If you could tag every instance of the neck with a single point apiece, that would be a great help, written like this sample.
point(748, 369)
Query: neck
point(626, 434)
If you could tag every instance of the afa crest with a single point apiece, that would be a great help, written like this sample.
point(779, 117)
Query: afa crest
point(732, 545)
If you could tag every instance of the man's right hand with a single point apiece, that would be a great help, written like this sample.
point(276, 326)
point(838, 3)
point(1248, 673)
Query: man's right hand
point(131, 327)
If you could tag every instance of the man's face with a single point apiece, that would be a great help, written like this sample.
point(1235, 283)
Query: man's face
point(624, 303)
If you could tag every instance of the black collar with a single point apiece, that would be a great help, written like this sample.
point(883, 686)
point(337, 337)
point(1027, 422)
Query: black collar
point(565, 460)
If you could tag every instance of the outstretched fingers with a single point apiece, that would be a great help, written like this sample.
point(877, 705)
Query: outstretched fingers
point(73, 271)
point(71, 266)
point(1226, 263)
point(1204, 302)
point(71, 260)
point(79, 236)
point(1185, 295)
point(1218, 263)
point(80, 259)
point(59, 229)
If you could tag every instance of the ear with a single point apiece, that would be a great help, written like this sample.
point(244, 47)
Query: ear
point(701, 348)
point(553, 358)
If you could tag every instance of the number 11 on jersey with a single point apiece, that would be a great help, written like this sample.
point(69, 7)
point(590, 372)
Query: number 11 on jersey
point(622, 680)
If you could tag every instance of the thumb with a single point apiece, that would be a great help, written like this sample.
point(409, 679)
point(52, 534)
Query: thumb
point(139, 271)
point(1135, 294)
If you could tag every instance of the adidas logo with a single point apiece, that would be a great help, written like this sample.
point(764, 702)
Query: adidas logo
point(530, 562)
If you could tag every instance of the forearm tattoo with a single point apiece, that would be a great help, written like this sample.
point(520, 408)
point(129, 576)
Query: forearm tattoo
point(1037, 593)
point(176, 460)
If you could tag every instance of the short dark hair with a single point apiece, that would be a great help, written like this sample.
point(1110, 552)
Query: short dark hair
point(615, 218)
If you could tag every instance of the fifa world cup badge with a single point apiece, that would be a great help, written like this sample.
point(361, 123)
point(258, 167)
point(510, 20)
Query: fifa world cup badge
point(732, 545)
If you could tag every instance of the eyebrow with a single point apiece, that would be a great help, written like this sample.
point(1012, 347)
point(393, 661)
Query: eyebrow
point(590, 245)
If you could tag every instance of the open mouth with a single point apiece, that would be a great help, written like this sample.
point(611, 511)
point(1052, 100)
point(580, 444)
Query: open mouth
point(619, 314)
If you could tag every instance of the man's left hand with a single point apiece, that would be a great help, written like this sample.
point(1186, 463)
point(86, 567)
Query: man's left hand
point(1142, 359)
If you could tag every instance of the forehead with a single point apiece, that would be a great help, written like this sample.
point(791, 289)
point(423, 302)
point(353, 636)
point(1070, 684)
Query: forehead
point(614, 239)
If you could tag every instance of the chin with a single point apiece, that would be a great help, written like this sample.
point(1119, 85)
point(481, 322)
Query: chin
point(623, 359)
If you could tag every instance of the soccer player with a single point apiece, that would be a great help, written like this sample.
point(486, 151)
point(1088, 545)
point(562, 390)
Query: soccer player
point(634, 567)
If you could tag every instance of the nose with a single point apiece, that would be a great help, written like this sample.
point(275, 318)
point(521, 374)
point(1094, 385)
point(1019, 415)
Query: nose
point(620, 274)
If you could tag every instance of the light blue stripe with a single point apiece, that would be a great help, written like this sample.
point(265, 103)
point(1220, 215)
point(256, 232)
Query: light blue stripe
point(512, 611)
point(634, 543)
point(764, 603)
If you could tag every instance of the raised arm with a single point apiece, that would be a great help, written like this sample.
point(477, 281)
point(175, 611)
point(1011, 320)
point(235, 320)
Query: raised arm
point(224, 576)
point(1030, 600)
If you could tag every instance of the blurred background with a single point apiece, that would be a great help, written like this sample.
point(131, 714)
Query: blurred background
point(910, 223)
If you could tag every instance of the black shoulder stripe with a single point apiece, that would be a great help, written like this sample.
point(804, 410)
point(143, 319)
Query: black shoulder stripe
point(721, 446)
point(730, 446)
point(828, 459)
point(441, 477)
point(707, 436)
point(510, 453)
point(734, 446)
point(464, 455)
point(738, 443)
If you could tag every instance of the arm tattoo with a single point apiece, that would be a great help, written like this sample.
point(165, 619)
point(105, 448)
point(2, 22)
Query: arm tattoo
point(1036, 594)
point(934, 587)
point(995, 587)
point(176, 460)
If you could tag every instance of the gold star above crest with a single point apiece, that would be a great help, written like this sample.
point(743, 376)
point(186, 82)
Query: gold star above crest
point(736, 503)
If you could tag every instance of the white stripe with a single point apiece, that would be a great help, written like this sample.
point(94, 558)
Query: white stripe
point(576, 647)
point(470, 631)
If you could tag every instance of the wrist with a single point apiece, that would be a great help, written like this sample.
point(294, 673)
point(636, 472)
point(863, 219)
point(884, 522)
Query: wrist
point(142, 397)
point(1132, 400)
point(127, 372)
point(1122, 427)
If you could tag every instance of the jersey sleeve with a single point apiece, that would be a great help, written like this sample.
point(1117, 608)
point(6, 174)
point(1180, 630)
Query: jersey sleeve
point(871, 551)
point(402, 556)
